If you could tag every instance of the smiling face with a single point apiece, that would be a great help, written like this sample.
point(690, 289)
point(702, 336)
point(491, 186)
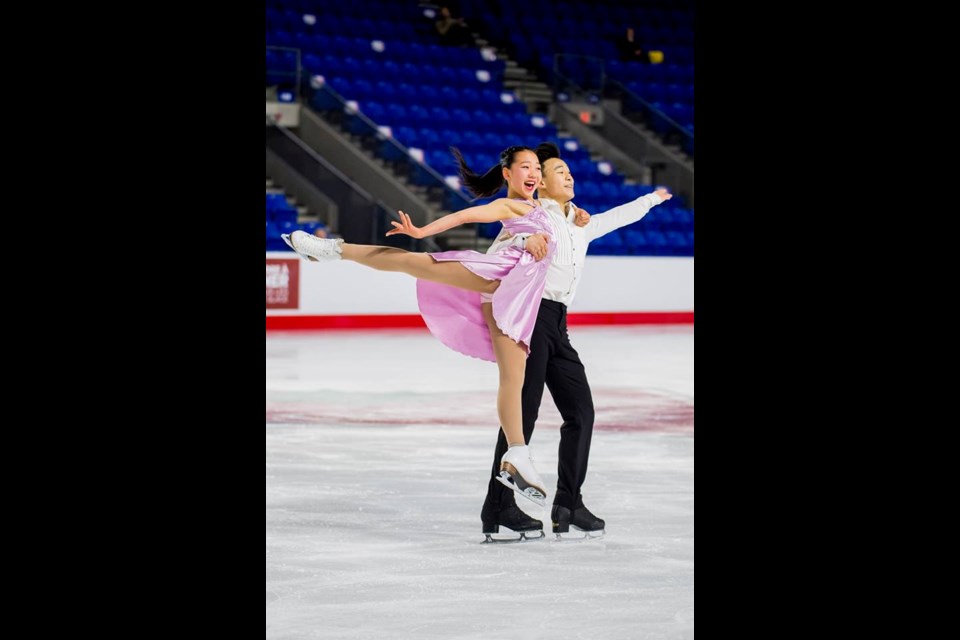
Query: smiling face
point(557, 181)
point(523, 175)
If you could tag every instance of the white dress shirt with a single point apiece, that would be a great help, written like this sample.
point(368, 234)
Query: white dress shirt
point(565, 271)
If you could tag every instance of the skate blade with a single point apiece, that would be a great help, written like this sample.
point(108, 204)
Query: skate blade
point(286, 238)
point(529, 492)
point(579, 535)
point(525, 536)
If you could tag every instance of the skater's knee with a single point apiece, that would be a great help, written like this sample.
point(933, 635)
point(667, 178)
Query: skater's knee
point(579, 420)
point(511, 378)
point(587, 416)
point(586, 420)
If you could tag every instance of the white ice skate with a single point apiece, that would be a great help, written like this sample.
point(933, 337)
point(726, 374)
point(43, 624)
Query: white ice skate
point(310, 247)
point(517, 472)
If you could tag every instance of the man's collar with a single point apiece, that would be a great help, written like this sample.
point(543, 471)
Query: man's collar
point(571, 212)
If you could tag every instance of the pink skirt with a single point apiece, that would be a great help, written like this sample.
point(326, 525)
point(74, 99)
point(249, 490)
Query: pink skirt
point(453, 315)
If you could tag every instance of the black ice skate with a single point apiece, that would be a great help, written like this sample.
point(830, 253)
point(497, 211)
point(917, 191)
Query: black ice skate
point(580, 519)
point(516, 521)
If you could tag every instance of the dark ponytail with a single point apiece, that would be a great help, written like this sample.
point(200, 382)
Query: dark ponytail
point(492, 181)
point(480, 186)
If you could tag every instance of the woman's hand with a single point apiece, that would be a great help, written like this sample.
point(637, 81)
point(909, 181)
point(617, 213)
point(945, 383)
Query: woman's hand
point(536, 246)
point(582, 218)
point(405, 227)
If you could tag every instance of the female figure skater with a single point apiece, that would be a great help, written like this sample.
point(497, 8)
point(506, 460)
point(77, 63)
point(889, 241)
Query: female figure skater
point(482, 305)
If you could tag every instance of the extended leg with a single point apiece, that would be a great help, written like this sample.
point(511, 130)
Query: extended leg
point(418, 265)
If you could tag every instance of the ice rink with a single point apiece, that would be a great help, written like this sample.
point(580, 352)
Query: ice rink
point(378, 448)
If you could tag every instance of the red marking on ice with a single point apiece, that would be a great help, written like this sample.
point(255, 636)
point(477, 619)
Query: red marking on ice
point(616, 410)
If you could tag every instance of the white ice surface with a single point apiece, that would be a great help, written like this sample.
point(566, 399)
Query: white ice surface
point(378, 449)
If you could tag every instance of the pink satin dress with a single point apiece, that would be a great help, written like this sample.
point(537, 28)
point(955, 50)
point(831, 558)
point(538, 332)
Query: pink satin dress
point(453, 315)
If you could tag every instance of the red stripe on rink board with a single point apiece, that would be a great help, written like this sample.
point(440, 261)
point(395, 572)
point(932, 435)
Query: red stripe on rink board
point(411, 321)
point(659, 317)
point(296, 323)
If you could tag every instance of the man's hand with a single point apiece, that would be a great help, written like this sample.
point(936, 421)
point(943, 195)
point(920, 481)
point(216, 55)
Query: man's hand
point(663, 193)
point(581, 218)
point(536, 246)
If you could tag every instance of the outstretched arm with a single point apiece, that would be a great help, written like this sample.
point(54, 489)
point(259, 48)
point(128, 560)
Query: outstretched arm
point(603, 223)
point(497, 210)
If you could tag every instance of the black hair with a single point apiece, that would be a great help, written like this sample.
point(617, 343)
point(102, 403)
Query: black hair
point(547, 150)
point(492, 181)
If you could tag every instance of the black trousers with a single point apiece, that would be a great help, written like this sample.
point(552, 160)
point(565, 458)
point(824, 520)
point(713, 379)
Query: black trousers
point(553, 361)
